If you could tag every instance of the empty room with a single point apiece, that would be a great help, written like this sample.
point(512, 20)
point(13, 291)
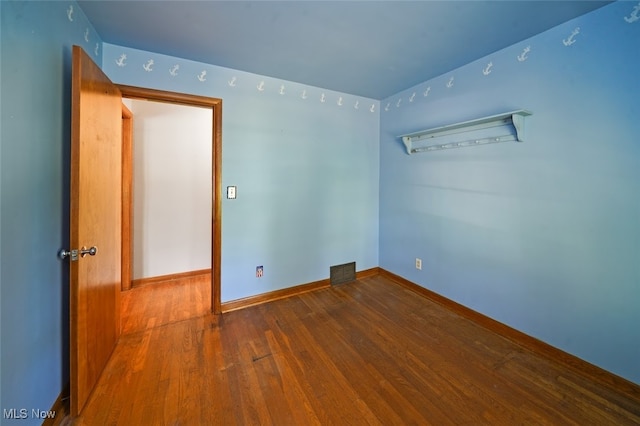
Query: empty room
point(320, 212)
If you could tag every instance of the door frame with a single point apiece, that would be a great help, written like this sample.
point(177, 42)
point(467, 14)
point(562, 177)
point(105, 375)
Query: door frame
point(215, 105)
point(127, 198)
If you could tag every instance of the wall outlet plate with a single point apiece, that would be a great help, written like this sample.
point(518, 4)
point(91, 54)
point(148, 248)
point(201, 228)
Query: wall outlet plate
point(418, 263)
point(231, 192)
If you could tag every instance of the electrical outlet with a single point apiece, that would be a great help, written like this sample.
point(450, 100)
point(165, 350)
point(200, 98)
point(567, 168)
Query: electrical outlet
point(418, 263)
point(259, 271)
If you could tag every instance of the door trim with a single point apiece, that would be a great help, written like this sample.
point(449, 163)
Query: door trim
point(215, 105)
point(127, 197)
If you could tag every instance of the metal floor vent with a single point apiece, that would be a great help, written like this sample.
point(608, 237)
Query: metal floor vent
point(340, 274)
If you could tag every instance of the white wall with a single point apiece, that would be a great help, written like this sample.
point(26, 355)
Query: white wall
point(172, 188)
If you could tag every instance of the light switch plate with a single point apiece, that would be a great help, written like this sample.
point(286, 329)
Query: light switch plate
point(231, 192)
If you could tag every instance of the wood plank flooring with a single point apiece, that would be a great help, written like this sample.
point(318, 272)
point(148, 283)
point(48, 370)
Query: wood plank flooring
point(161, 303)
point(364, 353)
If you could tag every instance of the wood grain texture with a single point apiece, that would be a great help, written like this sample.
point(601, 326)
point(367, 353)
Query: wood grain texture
point(215, 105)
point(170, 277)
point(270, 296)
point(127, 198)
point(95, 220)
point(591, 371)
point(177, 298)
point(61, 409)
point(259, 299)
point(216, 253)
point(365, 353)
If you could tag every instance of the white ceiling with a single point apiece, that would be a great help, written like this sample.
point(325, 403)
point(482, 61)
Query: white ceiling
point(366, 48)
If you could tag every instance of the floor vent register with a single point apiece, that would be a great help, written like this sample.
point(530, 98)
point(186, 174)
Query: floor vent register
point(340, 274)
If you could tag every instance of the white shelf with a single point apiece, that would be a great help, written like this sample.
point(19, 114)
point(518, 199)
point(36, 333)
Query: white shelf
point(508, 121)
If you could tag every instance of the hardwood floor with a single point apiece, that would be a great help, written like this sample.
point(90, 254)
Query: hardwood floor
point(162, 303)
point(368, 352)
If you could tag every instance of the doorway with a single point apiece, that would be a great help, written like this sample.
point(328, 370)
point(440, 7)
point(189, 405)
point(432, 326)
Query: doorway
point(130, 267)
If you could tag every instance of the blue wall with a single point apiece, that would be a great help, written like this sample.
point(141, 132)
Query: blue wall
point(306, 163)
point(36, 42)
point(542, 235)
point(306, 170)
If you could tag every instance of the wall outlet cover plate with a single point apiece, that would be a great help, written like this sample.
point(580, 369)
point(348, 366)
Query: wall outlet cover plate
point(231, 192)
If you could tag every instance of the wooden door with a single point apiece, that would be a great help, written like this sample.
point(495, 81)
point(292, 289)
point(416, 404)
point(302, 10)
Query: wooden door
point(96, 156)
